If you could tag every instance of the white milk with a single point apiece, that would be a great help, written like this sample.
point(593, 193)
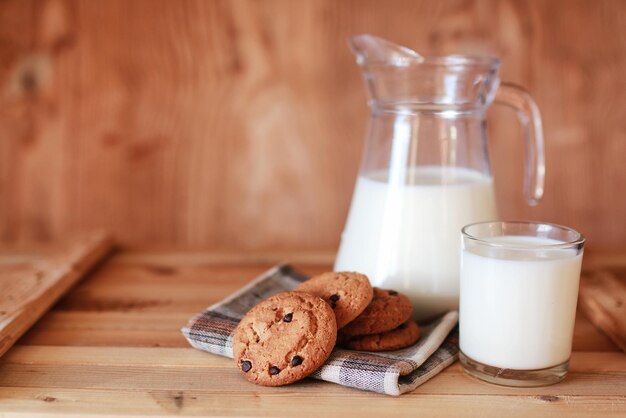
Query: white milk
point(517, 311)
point(407, 237)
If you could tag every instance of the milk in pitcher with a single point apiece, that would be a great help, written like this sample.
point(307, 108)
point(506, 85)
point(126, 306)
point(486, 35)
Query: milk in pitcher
point(404, 232)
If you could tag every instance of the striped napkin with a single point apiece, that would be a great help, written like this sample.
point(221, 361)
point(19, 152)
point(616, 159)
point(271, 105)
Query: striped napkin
point(391, 372)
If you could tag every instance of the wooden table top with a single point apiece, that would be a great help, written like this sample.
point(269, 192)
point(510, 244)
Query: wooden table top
point(112, 346)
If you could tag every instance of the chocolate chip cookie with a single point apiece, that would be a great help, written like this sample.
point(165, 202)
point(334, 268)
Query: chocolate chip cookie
point(405, 335)
point(347, 293)
point(387, 310)
point(284, 338)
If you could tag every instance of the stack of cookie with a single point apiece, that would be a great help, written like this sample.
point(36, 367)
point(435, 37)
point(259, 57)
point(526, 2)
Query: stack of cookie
point(384, 325)
point(288, 336)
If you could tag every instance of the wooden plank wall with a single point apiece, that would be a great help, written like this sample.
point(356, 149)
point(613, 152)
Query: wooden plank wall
point(239, 124)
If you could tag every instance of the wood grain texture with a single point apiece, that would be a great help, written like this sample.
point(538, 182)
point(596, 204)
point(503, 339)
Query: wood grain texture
point(239, 124)
point(28, 290)
point(113, 346)
point(603, 300)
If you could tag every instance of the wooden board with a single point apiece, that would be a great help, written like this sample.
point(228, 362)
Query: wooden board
point(32, 284)
point(603, 299)
point(240, 123)
point(113, 346)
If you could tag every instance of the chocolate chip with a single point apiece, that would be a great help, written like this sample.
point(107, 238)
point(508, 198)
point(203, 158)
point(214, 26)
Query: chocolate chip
point(246, 366)
point(288, 317)
point(274, 370)
point(334, 298)
point(333, 305)
point(393, 292)
point(296, 361)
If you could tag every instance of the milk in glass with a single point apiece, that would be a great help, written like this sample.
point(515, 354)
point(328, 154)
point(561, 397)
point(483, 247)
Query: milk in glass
point(518, 306)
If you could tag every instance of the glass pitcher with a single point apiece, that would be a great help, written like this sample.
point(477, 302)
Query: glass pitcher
point(425, 170)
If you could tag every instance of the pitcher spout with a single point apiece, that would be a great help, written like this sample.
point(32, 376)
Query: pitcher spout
point(372, 49)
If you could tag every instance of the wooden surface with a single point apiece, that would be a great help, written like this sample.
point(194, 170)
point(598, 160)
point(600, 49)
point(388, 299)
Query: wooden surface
point(112, 346)
point(30, 288)
point(239, 124)
point(603, 300)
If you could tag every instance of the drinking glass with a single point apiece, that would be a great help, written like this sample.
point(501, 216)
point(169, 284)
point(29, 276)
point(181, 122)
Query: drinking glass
point(518, 294)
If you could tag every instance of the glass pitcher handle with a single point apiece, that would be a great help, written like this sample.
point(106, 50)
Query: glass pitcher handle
point(530, 118)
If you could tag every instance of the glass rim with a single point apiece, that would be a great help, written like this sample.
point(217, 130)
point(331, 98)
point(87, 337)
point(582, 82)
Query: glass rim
point(579, 240)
